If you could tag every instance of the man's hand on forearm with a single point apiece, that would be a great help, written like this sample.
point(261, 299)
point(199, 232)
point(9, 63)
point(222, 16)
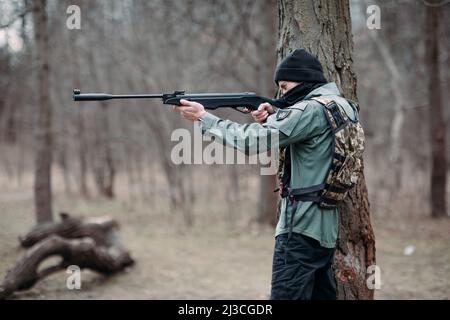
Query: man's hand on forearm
point(262, 113)
point(190, 110)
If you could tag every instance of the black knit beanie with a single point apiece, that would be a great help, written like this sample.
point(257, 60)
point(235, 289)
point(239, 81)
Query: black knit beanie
point(300, 66)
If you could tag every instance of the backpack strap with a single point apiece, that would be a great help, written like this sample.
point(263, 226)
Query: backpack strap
point(333, 112)
point(310, 193)
point(324, 100)
point(307, 194)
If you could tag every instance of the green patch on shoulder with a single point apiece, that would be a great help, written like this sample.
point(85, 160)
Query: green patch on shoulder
point(282, 114)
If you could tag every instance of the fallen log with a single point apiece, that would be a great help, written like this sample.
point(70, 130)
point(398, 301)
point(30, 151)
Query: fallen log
point(90, 243)
point(72, 228)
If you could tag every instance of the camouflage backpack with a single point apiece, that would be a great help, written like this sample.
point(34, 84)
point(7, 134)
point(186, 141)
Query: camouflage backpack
point(348, 148)
point(346, 164)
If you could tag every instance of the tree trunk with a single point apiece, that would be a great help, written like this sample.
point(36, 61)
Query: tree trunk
point(82, 145)
point(268, 199)
point(82, 154)
point(436, 112)
point(324, 29)
point(43, 131)
point(267, 204)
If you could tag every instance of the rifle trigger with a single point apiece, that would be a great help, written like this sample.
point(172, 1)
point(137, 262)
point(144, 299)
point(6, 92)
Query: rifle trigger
point(240, 110)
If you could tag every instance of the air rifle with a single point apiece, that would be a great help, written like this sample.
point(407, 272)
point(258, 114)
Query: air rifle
point(210, 101)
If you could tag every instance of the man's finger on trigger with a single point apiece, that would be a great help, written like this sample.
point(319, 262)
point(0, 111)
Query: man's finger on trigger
point(185, 102)
point(261, 107)
point(267, 106)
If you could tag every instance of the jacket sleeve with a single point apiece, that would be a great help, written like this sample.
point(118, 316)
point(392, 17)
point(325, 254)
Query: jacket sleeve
point(287, 126)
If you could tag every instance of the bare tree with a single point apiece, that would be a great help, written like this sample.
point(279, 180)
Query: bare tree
point(267, 201)
point(436, 113)
point(43, 130)
point(324, 28)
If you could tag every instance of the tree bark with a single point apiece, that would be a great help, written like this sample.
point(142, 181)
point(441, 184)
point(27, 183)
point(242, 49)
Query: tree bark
point(324, 29)
point(43, 130)
point(267, 201)
point(436, 113)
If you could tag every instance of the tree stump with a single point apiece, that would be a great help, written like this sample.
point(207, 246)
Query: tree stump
point(91, 243)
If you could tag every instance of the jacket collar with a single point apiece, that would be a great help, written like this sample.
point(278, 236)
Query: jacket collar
point(325, 90)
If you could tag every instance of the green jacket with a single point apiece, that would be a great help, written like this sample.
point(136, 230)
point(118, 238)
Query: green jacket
point(305, 128)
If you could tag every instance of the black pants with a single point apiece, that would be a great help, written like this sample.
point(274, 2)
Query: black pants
point(302, 269)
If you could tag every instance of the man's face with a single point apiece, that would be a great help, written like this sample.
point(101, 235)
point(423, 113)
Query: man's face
point(285, 86)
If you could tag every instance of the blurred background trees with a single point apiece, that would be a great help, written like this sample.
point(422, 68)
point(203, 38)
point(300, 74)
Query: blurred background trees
point(160, 46)
point(118, 158)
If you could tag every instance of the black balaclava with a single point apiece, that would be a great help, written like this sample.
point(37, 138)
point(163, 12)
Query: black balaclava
point(299, 66)
point(297, 93)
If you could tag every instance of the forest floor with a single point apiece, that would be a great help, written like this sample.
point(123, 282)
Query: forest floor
point(216, 260)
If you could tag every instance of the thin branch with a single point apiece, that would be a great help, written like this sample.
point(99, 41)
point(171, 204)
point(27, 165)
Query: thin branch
point(20, 15)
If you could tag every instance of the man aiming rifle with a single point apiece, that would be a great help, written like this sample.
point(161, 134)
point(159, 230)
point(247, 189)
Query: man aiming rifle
point(323, 144)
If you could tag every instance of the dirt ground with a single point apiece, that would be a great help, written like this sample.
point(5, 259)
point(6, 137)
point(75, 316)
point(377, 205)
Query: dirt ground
point(216, 260)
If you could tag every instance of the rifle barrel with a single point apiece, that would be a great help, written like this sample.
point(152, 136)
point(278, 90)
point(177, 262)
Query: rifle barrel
point(136, 96)
point(78, 96)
